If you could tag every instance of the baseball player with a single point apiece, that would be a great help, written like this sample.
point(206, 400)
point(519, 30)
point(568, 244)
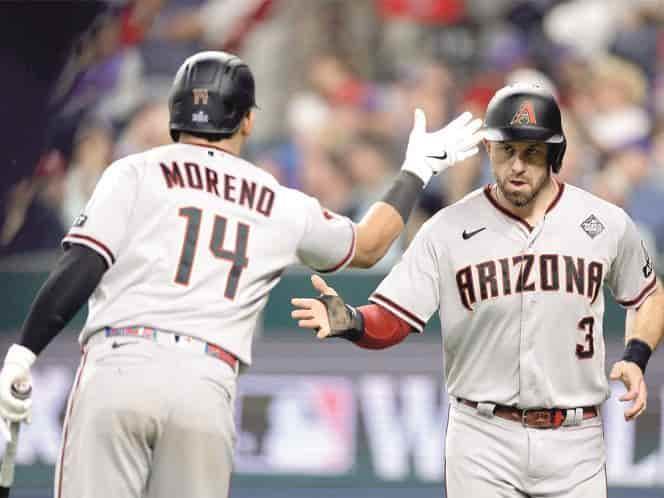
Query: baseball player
point(177, 251)
point(516, 272)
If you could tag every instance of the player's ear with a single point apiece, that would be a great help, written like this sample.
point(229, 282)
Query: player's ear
point(247, 124)
point(487, 146)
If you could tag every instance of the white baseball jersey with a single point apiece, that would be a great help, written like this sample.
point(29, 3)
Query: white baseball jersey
point(521, 307)
point(195, 238)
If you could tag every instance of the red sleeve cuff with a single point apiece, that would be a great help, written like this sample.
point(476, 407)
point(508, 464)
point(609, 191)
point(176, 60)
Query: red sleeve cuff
point(415, 322)
point(382, 328)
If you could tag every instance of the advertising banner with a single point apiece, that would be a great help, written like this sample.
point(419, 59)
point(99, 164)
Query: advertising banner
point(362, 428)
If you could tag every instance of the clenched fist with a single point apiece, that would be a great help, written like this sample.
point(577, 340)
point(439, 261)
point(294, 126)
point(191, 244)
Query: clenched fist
point(16, 372)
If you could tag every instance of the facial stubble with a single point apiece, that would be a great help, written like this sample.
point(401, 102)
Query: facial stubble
point(519, 199)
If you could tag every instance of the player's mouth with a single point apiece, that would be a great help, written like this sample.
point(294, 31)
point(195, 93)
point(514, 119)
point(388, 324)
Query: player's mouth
point(518, 183)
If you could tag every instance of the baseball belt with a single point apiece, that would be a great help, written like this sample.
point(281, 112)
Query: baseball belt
point(539, 418)
point(169, 338)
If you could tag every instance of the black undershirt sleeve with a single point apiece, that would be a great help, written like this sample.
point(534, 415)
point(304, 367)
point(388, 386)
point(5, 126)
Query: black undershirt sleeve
point(68, 287)
point(404, 193)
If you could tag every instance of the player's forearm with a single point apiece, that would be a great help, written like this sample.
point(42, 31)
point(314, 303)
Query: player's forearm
point(386, 219)
point(369, 326)
point(67, 288)
point(381, 329)
point(647, 323)
point(375, 234)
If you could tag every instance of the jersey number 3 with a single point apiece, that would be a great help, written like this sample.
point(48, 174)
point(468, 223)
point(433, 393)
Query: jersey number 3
point(587, 349)
point(238, 257)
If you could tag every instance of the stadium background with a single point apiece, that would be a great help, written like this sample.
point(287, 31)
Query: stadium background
point(336, 83)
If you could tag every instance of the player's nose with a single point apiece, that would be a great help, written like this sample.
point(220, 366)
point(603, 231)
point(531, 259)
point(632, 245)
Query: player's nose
point(518, 166)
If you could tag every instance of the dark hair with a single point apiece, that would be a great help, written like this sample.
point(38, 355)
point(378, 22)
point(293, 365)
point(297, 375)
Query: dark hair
point(210, 137)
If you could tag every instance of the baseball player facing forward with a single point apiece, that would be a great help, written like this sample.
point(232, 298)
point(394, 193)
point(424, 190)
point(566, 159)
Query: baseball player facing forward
point(516, 271)
point(177, 251)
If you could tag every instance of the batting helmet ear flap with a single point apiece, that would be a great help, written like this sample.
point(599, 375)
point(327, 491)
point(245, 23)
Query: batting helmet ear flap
point(556, 154)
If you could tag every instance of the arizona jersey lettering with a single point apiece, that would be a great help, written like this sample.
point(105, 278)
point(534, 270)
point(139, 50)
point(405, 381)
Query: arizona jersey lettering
point(524, 302)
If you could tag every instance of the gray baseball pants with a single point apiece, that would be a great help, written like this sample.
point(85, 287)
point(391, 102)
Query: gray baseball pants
point(490, 457)
point(147, 420)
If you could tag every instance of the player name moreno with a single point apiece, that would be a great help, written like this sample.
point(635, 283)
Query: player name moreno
point(239, 191)
point(529, 273)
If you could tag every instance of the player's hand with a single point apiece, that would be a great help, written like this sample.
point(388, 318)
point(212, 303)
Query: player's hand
point(327, 314)
point(632, 377)
point(5, 430)
point(431, 153)
point(16, 372)
point(312, 313)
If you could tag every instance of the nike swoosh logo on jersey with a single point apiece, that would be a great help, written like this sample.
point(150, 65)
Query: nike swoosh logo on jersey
point(467, 235)
point(444, 156)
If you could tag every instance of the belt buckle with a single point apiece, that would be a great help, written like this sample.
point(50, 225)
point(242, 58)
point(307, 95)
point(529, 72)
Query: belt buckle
point(553, 422)
point(524, 417)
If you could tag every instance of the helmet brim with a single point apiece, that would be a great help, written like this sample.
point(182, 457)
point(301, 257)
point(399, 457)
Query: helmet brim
point(522, 134)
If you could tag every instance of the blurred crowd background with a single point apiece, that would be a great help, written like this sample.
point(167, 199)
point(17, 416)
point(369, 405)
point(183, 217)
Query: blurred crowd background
point(337, 82)
point(86, 82)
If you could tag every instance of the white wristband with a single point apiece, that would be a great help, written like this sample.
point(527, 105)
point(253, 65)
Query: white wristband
point(419, 169)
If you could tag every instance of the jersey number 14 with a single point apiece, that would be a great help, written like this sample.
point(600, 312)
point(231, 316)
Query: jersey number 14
point(238, 257)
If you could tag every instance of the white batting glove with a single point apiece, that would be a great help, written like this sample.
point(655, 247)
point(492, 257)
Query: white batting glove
point(431, 153)
point(16, 371)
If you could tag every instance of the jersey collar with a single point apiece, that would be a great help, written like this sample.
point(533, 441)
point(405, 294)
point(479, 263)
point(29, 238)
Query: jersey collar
point(506, 212)
point(208, 146)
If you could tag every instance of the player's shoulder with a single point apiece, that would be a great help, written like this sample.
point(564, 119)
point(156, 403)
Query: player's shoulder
point(578, 200)
point(475, 198)
point(131, 164)
point(457, 215)
point(264, 177)
point(577, 194)
point(167, 153)
point(463, 209)
point(296, 195)
point(243, 166)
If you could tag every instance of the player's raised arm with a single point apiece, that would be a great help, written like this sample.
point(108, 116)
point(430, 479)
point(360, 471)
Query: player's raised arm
point(402, 303)
point(427, 154)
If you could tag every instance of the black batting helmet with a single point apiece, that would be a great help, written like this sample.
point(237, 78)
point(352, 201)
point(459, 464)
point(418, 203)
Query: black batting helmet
point(526, 112)
point(211, 94)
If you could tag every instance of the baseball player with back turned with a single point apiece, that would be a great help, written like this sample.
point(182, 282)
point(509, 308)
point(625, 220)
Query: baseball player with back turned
point(516, 271)
point(177, 251)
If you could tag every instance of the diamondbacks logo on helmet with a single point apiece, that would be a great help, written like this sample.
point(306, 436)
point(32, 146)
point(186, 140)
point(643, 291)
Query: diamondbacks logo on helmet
point(525, 115)
point(200, 96)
